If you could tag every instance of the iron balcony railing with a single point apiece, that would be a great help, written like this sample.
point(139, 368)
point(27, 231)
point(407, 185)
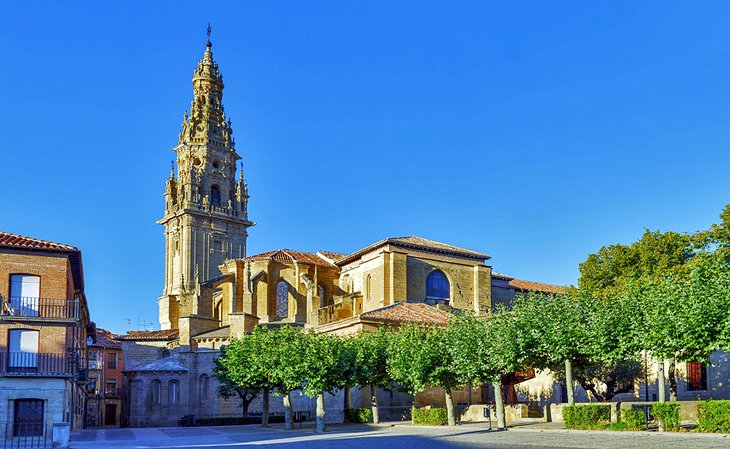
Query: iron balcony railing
point(36, 364)
point(22, 306)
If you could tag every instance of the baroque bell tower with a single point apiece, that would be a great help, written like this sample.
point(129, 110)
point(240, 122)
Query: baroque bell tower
point(206, 216)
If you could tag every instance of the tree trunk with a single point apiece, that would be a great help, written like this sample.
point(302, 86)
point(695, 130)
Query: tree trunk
point(499, 404)
point(348, 404)
point(450, 407)
point(320, 413)
point(265, 408)
point(660, 381)
point(288, 415)
point(569, 381)
point(672, 380)
point(374, 403)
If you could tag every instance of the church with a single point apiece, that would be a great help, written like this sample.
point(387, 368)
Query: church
point(214, 291)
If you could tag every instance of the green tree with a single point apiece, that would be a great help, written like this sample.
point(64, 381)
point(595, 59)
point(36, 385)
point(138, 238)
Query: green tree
point(370, 363)
point(244, 366)
point(557, 325)
point(284, 353)
point(227, 389)
point(484, 349)
point(322, 368)
point(420, 357)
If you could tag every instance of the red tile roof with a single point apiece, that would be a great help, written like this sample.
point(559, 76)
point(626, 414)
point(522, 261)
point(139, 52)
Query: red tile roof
point(105, 339)
point(290, 256)
point(331, 256)
point(536, 286)
point(166, 334)
point(18, 241)
point(419, 243)
point(415, 312)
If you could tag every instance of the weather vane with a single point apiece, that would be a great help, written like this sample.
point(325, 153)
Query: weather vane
point(209, 30)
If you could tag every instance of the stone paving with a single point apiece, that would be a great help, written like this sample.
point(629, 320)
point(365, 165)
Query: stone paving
point(400, 436)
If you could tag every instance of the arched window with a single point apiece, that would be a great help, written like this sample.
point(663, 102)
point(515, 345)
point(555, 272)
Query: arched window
point(437, 286)
point(282, 299)
point(173, 392)
point(164, 353)
point(155, 392)
point(215, 195)
point(367, 287)
point(322, 291)
point(203, 387)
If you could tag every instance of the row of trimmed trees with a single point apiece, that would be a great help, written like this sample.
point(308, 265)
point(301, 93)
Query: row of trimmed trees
point(667, 295)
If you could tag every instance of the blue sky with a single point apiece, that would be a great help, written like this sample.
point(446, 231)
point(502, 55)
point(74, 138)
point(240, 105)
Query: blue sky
point(533, 131)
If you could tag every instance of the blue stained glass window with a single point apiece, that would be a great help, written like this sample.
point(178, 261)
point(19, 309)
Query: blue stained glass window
point(437, 286)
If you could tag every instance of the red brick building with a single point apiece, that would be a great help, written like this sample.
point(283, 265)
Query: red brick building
point(44, 324)
point(104, 402)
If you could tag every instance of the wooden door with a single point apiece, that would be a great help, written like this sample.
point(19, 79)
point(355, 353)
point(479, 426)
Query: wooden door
point(110, 414)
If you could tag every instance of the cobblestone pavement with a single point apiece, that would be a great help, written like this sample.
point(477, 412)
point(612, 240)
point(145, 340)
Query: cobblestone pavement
point(382, 437)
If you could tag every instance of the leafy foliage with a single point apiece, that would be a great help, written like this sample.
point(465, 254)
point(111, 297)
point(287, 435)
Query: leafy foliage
point(429, 416)
point(586, 417)
point(667, 413)
point(633, 419)
point(359, 415)
point(714, 416)
point(369, 358)
point(419, 357)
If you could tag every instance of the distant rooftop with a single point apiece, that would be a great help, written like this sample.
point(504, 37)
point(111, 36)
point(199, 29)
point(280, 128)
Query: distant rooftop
point(417, 243)
point(166, 334)
point(291, 256)
point(18, 241)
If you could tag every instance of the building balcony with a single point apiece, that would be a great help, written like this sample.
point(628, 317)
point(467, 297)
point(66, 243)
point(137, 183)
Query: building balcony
point(29, 307)
point(25, 364)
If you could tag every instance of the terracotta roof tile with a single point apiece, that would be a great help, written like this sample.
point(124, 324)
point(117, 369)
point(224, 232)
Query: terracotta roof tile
point(289, 256)
point(536, 286)
point(418, 243)
point(105, 339)
point(501, 276)
point(409, 311)
point(18, 241)
point(332, 256)
point(166, 334)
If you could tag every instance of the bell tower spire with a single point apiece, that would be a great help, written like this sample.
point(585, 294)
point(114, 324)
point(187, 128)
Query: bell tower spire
point(206, 216)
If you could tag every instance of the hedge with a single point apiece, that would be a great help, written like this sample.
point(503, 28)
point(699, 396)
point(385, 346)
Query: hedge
point(633, 419)
point(714, 416)
point(363, 415)
point(427, 416)
point(587, 417)
point(667, 414)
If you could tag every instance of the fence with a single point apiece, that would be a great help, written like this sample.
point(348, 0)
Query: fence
point(35, 364)
point(40, 307)
point(21, 436)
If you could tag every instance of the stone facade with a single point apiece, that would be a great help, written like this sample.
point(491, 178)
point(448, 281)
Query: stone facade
point(214, 291)
point(206, 208)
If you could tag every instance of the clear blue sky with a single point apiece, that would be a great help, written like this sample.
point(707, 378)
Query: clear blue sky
point(533, 131)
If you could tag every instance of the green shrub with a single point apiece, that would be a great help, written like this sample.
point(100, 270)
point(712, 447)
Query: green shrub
point(714, 416)
point(667, 414)
point(634, 419)
point(427, 416)
point(359, 415)
point(587, 417)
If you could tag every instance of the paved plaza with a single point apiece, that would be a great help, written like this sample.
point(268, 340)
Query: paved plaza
point(384, 436)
